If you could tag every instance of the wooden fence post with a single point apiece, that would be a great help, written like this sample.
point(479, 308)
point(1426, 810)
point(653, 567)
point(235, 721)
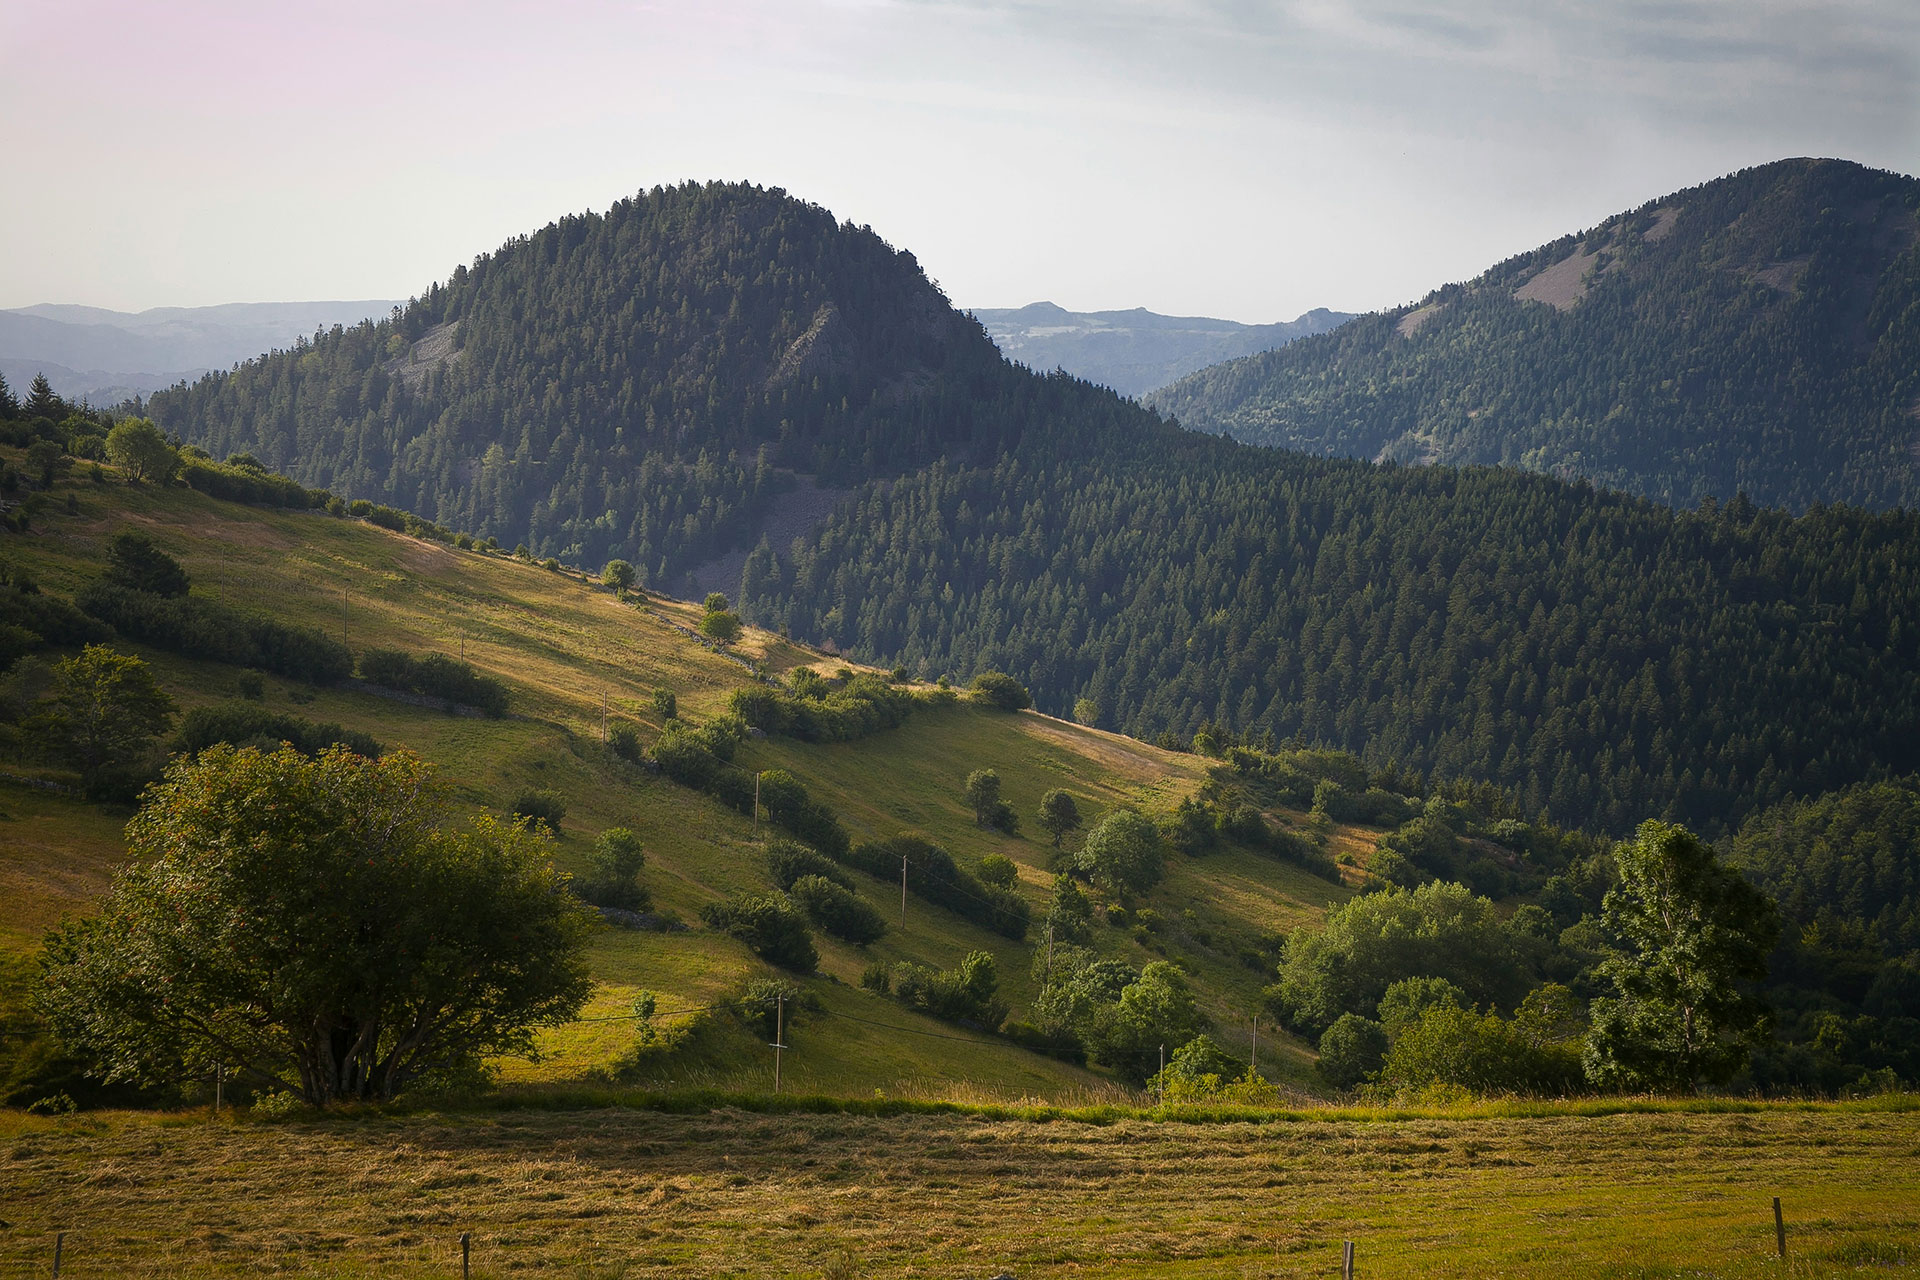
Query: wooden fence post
point(1779, 1228)
point(466, 1256)
point(59, 1246)
point(1346, 1260)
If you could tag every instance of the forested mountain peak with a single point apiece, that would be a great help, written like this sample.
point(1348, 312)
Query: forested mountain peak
point(1757, 333)
point(717, 332)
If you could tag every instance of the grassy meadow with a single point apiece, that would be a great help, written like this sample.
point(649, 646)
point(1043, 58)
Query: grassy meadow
point(1655, 1191)
point(573, 657)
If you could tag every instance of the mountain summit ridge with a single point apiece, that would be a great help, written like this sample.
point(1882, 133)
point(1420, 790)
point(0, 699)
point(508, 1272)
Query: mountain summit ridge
point(1758, 333)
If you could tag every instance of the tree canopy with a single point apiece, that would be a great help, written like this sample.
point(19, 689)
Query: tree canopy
point(308, 923)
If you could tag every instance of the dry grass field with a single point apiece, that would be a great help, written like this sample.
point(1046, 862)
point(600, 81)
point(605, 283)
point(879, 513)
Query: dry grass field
point(1486, 1191)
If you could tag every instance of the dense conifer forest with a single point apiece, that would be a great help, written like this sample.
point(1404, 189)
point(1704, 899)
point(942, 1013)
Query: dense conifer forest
point(639, 385)
point(1759, 333)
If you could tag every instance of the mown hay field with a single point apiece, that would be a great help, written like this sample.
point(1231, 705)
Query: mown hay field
point(624, 1191)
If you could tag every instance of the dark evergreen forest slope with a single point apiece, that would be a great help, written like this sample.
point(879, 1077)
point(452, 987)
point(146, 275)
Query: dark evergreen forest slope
point(634, 384)
point(1760, 333)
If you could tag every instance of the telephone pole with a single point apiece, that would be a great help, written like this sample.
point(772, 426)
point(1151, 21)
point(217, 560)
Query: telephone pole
point(903, 891)
point(779, 1035)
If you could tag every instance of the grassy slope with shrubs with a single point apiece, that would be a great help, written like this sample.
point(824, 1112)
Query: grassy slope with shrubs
point(572, 658)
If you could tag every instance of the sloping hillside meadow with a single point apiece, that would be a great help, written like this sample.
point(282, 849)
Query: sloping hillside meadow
point(575, 658)
point(901, 1146)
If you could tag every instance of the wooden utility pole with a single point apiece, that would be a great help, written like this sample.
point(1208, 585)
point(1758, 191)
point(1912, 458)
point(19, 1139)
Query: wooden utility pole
point(1162, 1077)
point(219, 1088)
point(779, 1035)
point(903, 891)
point(1253, 1059)
point(756, 805)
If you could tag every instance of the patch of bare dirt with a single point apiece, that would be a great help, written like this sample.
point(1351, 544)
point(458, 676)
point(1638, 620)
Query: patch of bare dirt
point(793, 514)
point(1561, 285)
point(434, 350)
point(1663, 220)
point(1411, 322)
point(1783, 276)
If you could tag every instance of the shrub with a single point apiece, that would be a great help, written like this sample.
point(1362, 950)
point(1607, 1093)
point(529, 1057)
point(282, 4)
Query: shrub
point(244, 724)
point(768, 924)
point(613, 879)
point(814, 711)
point(722, 627)
point(998, 871)
point(134, 562)
point(435, 676)
point(788, 861)
point(998, 689)
point(878, 976)
point(624, 741)
point(541, 808)
point(1351, 1050)
point(839, 911)
point(933, 875)
point(966, 994)
point(211, 631)
point(665, 705)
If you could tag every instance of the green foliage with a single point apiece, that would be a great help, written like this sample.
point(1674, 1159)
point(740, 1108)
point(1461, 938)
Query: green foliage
point(788, 861)
point(1351, 1050)
point(1154, 1011)
point(213, 632)
point(1438, 930)
point(721, 626)
point(624, 741)
point(816, 712)
point(1122, 852)
point(243, 724)
point(1687, 933)
point(250, 484)
point(541, 808)
point(665, 705)
point(1760, 346)
point(1059, 814)
point(139, 565)
point(998, 689)
point(435, 676)
point(932, 874)
point(989, 810)
point(613, 877)
point(1069, 914)
point(619, 575)
point(308, 923)
point(1086, 711)
point(1852, 854)
point(770, 925)
point(716, 602)
point(838, 910)
point(103, 715)
point(1479, 1052)
point(1403, 1002)
point(998, 871)
point(137, 446)
point(1190, 829)
point(967, 994)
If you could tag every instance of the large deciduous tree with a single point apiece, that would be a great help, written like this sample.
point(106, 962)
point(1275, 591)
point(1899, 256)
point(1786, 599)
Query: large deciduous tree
point(1687, 932)
point(309, 923)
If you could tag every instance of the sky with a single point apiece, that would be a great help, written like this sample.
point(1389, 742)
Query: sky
point(1236, 158)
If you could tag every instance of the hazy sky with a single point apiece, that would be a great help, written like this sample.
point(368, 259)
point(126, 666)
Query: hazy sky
point(1225, 157)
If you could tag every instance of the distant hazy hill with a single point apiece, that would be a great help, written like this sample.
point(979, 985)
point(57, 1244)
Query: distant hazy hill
point(1757, 333)
point(105, 356)
point(1136, 351)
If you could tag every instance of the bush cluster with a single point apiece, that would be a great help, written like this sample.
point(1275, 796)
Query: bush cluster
point(243, 724)
point(817, 712)
point(435, 676)
point(211, 631)
point(933, 874)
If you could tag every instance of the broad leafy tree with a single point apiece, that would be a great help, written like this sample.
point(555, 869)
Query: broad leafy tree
point(1689, 934)
point(1123, 853)
point(105, 711)
point(137, 446)
point(310, 924)
point(1059, 814)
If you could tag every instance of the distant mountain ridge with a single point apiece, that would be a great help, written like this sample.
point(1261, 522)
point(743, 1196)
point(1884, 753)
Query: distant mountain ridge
point(1757, 333)
point(1135, 351)
point(106, 356)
